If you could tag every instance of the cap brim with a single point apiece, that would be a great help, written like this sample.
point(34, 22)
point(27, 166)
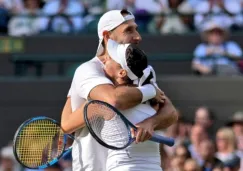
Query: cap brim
point(100, 48)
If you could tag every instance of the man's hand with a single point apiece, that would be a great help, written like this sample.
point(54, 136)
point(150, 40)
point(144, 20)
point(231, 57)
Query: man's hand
point(145, 130)
point(160, 96)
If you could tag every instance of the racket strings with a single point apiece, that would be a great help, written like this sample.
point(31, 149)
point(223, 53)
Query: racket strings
point(107, 125)
point(39, 142)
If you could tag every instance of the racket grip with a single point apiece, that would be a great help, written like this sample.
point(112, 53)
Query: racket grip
point(164, 140)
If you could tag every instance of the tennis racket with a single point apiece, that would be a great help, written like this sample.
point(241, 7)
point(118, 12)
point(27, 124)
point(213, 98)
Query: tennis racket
point(111, 128)
point(40, 142)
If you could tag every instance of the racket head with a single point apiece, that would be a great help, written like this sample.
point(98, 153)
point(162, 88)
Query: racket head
point(103, 121)
point(39, 142)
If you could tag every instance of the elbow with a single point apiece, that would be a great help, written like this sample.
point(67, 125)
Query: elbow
point(66, 128)
point(115, 102)
point(174, 116)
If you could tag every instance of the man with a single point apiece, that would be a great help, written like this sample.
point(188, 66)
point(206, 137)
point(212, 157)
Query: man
point(90, 82)
point(207, 151)
point(236, 123)
point(204, 116)
point(198, 134)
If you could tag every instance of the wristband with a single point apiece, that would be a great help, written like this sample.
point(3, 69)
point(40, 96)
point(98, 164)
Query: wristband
point(148, 92)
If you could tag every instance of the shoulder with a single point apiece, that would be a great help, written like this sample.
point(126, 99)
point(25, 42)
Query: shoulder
point(201, 45)
point(90, 66)
point(88, 69)
point(232, 43)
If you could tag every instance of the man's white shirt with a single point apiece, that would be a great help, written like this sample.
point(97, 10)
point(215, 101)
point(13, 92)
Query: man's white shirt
point(88, 155)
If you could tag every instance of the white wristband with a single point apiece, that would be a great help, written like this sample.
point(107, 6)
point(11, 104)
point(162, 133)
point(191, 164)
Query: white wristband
point(148, 92)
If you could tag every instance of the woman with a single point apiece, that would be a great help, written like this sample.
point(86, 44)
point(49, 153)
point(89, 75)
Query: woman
point(226, 144)
point(127, 64)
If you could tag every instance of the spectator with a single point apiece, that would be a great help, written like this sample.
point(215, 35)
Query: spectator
point(27, 23)
point(239, 152)
point(121, 4)
point(145, 9)
point(187, 6)
point(179, 131)
point(198, 134)
point(205, 117)
point(182, 152)
point(55, 167)
point(191, 165)
point(232, 164)
point(237, 125)
point(4, 18)
point(176, 164)
point(8, 162)
point(65, 16)
point(218, 168)
point(207, 151)
point(93, 6)
point(226, 142)
point(172, 22)
point(12, 6)
point(216, 55)
point(221, 11)
point(8, 7)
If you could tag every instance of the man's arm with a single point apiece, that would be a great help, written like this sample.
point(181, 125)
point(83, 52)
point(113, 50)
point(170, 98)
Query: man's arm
point(95, 85)
point(123, 97)
point(71, 121)
point(165, 117)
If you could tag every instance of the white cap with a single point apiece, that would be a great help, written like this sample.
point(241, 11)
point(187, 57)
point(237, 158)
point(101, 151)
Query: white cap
point(212, 24)
point(118, 53)
point(109, 21)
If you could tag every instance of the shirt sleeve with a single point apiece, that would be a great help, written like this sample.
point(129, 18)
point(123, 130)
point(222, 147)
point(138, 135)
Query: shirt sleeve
point(199, 53)
point(234, 49)
point(69, 92)
point(88, 76)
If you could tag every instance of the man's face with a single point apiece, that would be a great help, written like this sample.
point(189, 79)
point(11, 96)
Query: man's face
point(206, 149)
point(215, 36)
point(190, 166)
point(238, 128)
point(198, 134)
point(202, 118)
point(126, 33)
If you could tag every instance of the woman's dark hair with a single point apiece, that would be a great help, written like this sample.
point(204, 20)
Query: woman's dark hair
point(137, 61)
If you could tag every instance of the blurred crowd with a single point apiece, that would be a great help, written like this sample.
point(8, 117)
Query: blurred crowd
point(201, 145)
point(28, 17)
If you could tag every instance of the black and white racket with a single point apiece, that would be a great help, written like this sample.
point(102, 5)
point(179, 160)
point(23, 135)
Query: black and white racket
point(111, 128)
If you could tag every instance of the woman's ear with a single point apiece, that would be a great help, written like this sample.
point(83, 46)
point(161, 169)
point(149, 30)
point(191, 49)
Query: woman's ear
point(122, 73)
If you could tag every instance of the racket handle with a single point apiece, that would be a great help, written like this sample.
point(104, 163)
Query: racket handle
point(164, 140)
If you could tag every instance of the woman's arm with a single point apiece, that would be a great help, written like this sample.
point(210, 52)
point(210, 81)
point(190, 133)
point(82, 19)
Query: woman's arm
point(76, 121)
